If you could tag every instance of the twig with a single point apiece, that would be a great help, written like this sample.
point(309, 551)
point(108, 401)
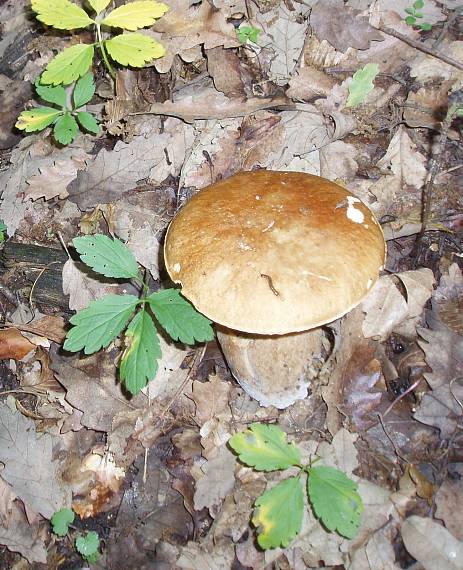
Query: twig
point(420, 46)
point(407, 391)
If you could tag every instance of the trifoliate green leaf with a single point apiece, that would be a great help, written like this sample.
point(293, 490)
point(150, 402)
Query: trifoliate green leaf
point(65, 129)
point(61, 520)
point(362, 84)
point(100, 323)
point(88, 544)
point(69, 65)
point(50, 94)
point(99, 5)
point(135, 15)
point(265, 447)
point(139, 361)
point(134, 49)
point(88, 122)
point(179, 318)
point(335, 500)
point(279, 513)
point(37, 119)
point(61, 14)
point(109, 257)
point(84, 90)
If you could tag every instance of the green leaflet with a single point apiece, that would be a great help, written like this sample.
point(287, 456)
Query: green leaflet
point(61, 520)
point(279, 513)
point(335, 500)
point(134, 49)
point(139, 361)
point(135, 15)
point(88, 122)
point(109, 257)
point(65, 129)
point(362, 84)
point(179, 318)
point(265, 448)
point(51, 94)
point(37, 119)
point(69, 65)
point(98, 5)
point(100, 323)
point(87, 546)
point(61, 14)
point(83, 90)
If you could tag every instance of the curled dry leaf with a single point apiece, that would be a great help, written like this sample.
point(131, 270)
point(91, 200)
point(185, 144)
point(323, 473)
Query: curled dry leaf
point(14, 345)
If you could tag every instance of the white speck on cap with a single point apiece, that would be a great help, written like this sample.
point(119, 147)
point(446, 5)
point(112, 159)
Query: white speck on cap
point(177, 267)
point(354, 213)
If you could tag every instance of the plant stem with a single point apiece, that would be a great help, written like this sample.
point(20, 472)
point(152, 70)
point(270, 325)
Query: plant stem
point(109, 67)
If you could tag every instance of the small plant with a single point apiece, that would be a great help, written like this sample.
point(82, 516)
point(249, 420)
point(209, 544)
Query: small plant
point(126, 49)
point(67, 118)
point(279, 511)
point(362, 84)
point(104, 319)
point(414, 15)
point(87, 545)
point(2, 231)
point(247, 33)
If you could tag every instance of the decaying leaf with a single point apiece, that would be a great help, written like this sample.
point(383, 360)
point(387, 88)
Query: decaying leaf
point(218, 480)
point(14, 345)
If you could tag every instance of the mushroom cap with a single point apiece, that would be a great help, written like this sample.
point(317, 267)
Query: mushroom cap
point(268, 252)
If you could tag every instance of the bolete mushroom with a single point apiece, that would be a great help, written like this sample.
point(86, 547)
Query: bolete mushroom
point(270, 257)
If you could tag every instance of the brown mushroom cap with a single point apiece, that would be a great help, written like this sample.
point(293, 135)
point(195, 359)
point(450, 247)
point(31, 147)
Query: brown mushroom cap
point(270, 252)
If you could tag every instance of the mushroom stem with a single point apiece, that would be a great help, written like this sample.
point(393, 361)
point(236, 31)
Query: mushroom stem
point(275, 370)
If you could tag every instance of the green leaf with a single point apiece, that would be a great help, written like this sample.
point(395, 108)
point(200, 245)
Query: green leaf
point(37, 119)
point(134, 49)
point(69, 65)
point(410, 11)
point(410, 20)
point(279, 512)
point(61, 520)
point(265, 447)
point(87, 545)
point(362, 84)
point(84, 90)
point(61, 14)
point(88, 122)
point(109, 257)
point(100, 323)
point(179, 318)
point(135, 15)
point(246, 33)
point(418, 14)
point(3, 229)
point(50, 94)
point(99, 5)
point(335, 500)
point(419, 4)
point(425, 26)
point(139, 361)
point(65, 129)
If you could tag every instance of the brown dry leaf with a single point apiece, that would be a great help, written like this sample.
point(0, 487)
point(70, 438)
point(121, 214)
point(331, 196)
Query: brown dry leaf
point(442, 408)
point(13, 96)
point(7, 498)
point(447, 301)
point(309, 83)
point(224, 67)
point(47, 326)
point(337, 161)
point(26, 452)
point(449, 506)
point(53, 180)
point(427, 106)
point(217, 482)
point(198, 556)
point(431, 544)
point(426, 68)
point(14, 345)
point(334, 22)
point(211, 398)
point(377, 554)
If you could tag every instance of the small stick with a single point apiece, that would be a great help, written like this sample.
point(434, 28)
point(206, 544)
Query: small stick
point(270, 284)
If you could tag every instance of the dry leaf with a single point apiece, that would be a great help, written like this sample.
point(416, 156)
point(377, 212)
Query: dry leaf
point(426, 68)
point(224, 67)
point(217, 482)
point(309, 83)
point(431, 544)
point(14, 345)
point(211, 398)
point(447, 301)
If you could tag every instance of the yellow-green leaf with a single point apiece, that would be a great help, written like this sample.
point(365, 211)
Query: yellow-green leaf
point(135, 15)
point(99, 5)
point(37, 119)
point(362, 84)
point(134, 49)
point(69, 65)
point(61, 14)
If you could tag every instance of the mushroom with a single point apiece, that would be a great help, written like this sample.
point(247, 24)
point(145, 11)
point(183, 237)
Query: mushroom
point(270, 257)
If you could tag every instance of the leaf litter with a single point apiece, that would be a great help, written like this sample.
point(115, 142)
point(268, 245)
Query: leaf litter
point(153, 473)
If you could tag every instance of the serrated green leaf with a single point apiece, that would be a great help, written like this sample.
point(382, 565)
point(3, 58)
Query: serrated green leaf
point(61, 520)
point(37, 119)
point(109, 257)
point(335, 500)
point(362, 84)
point(65, 129)
point(100, 323)
point(135, 15)
point(265, 447)
point(84, 90)
point(179, 318)
point(99, 5)
point(88, 544)
point(134, 49)
point(69, 65)
point(139, 361)
point(88, 122)
point(51, 94)
point(279, 513)
point(61, 14)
